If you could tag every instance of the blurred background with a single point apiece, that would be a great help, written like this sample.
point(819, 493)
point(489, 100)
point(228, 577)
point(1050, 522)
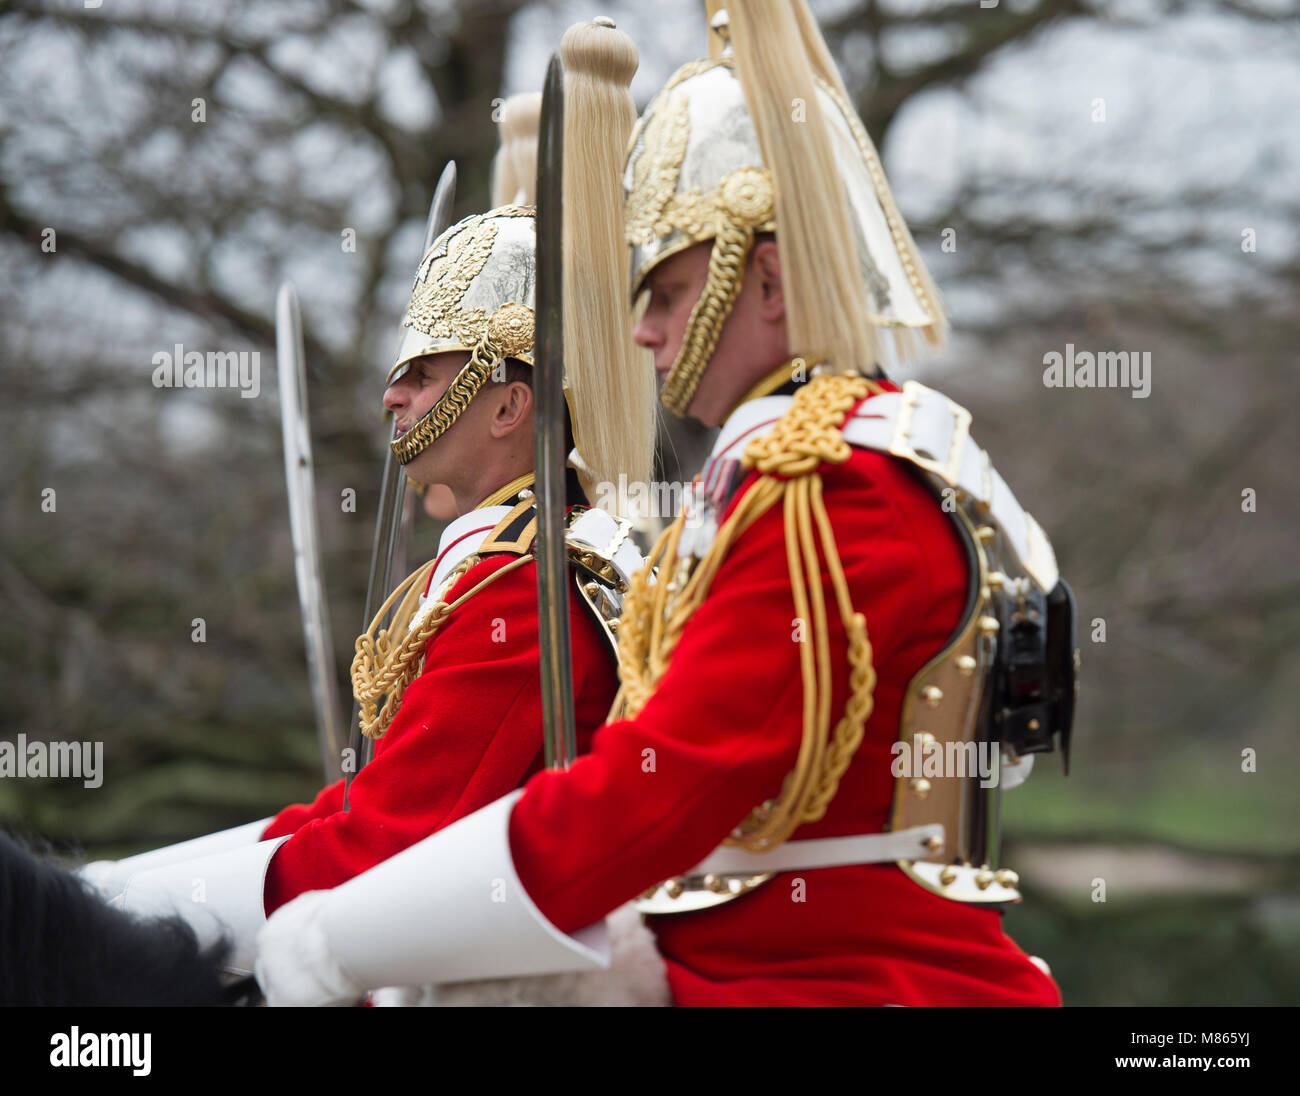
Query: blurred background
point(1111, 174)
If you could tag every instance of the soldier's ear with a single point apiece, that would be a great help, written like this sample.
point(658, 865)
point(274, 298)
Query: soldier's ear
point(766, 271)
point(514, 408)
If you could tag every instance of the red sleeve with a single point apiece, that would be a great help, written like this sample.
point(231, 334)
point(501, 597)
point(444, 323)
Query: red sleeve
point(468, 732)
point(291, 819)
point(724, 724)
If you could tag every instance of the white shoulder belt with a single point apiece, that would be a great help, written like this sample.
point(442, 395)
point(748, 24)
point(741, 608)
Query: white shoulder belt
point(825, 852)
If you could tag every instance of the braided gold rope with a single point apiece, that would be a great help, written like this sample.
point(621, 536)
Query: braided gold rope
point(655, 613)
point(388, 659)
point(731, 248)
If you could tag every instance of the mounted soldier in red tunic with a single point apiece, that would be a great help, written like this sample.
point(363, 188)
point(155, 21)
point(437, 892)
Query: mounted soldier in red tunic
point(851, 587)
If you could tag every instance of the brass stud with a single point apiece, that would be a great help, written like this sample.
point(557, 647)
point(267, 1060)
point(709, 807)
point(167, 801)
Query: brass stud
point(1034, 724)
point(591, 588)
point(948, 876)
point(650, 893)
point(983, 878)
point(997, 580)
point(920, 786)
point(934, 842)
point(1007, 878)
point(673, 888)
point(986, 533)
point(715, 883)
point(988, 625)
point(966, 665)
point(932, 694)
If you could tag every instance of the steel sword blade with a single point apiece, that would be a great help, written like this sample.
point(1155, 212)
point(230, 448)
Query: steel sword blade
point(550, 457)
point(300, 482)
point(388, 523)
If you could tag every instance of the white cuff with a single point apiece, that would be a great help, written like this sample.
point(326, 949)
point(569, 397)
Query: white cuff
point(449, 909)
point(216, 895)
point(109, 877)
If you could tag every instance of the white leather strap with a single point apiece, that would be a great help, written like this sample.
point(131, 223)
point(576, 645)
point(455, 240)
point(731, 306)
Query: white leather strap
point(825, 852)
point(216, 895)
point(925, 427)
point(449, 909)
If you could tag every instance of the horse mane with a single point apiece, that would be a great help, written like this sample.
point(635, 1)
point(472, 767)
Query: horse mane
point(62, 945)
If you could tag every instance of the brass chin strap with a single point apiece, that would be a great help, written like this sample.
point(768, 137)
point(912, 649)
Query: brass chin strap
point(731, 247)
point(439, 418)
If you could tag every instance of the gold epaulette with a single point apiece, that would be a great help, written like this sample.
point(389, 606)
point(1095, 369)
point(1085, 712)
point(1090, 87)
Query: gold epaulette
point(388, 658)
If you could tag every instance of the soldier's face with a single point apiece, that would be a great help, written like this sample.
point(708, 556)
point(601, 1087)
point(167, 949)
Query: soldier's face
point(411, 397)
point(752, 342)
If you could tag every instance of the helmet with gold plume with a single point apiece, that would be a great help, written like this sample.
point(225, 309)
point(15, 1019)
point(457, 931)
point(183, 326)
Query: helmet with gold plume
point(762, 138)
point(474, 289)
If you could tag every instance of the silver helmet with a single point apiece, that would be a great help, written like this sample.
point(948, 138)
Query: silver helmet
point(695, 174)
point(473, 292)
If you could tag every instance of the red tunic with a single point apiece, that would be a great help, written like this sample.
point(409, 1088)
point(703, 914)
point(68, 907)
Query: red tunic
point(468, 732)
point(725, 726)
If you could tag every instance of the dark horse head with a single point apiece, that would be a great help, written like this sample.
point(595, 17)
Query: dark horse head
point(61, 944)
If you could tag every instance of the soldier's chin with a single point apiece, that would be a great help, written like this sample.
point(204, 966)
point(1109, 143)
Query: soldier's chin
point(424, 468)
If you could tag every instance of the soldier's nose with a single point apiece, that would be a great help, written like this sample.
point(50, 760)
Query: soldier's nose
point(394, 398)
point(647, 336)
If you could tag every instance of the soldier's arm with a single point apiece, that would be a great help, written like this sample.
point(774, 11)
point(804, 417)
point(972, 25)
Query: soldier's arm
point(292, 818)
point(521, 886)
point(724, 725)
point(468, 731)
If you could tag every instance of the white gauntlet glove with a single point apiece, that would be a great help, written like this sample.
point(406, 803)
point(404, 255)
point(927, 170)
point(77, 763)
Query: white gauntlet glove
point(295, 963)
point(109, 877)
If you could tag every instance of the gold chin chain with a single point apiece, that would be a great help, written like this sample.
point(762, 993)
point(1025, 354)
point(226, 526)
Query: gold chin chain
point(731, 248)
point(509, 333)
point(655, 613)
point(439, 418)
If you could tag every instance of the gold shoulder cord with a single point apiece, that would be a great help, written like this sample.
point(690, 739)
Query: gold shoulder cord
point(388, 659)
point(787, 459)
